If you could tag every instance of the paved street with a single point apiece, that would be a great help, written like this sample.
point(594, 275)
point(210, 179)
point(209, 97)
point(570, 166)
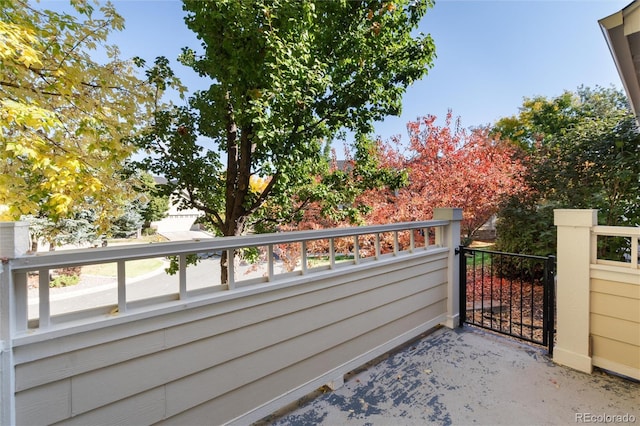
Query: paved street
point(101, 291)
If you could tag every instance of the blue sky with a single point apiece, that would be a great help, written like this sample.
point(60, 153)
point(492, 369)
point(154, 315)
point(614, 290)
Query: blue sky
point(490, 54)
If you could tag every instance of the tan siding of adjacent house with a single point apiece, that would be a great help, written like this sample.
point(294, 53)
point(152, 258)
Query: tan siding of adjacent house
point(615, 323)
point(598, 300)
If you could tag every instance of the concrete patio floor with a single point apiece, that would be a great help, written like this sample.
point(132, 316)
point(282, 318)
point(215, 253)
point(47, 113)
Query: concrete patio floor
point(467, 376)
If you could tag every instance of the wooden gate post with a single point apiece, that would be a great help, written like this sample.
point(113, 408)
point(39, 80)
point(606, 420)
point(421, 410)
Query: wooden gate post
point(451, 239)
point(572, 295)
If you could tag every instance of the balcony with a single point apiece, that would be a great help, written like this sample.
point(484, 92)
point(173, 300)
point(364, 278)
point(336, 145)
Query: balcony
point(461, 377)
point(197, 350)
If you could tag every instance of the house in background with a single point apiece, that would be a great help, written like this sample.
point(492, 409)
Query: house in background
point(179, 224)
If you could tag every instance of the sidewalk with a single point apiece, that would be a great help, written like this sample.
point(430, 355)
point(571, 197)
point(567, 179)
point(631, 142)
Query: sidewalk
point(91, 284)
point(467, 376)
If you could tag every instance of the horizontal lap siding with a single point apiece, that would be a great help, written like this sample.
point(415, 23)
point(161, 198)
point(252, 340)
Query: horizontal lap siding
point(234, 351)
point(615, 326)
point(336, 344)
point(256, 393)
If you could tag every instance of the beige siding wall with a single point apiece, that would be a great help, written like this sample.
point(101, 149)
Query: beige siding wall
point(597, 300)
point(615, 322)
point(237, 355)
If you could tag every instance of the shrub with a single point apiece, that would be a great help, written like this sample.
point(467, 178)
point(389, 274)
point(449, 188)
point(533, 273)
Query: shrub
point(66, 277)
point(64, 280)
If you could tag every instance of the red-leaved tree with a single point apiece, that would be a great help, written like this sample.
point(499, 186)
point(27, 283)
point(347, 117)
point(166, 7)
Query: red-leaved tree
point(448, 166)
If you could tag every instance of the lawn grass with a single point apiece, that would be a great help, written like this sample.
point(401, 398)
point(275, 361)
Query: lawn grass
point(155, 238)
point(317, 261)
point(133, 268)
point(479, 257)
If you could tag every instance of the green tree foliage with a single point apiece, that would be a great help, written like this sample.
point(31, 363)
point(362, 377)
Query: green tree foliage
point(287, 78)
point(147, 205)
point(78, 229)
point(67, 119)
point(582, 151)
point(130, 222)
point(39, 228)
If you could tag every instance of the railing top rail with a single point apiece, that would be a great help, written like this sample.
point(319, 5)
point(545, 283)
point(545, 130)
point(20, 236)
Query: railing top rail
point(142, 251)
point(526, 256)
point(617, 231)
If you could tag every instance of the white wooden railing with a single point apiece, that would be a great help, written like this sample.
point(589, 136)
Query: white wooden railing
point(633, 234)
point(43, 263)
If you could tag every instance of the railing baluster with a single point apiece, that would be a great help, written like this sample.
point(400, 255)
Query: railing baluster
point(396, 245)
point(377, 246)
point(521, 272)
point(21, 294)
point(594, 248)
point(122, 287)
point(493, 273)
point(332, 253)
point(270, 271)
point(412, 242)
point(439, 236)
point(182, 275)
point(510, 295)
point(231, 266)
point(533, 305)
point(480, 272)
point(43, 294)
point(427, 243)
point(303, 257)
point(356, 250)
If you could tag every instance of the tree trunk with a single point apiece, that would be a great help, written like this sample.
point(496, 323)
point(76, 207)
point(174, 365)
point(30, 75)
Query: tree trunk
point(239, 152)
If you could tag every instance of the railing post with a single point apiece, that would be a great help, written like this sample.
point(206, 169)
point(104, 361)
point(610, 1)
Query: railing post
point(14, 242)
point(549, 320)
point(462, 261)
point(573, 286)
point(451, 237)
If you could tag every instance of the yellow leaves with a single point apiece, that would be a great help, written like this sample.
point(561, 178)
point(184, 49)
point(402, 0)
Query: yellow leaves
point(65, 117)
point(95, 185)
point(42, 162)
point(12, 208)
point(257, 184)
point(26, 114)
point(21, 150)
point(19, 44)
point(537, 106)
point(60, 203)
point(6, 216)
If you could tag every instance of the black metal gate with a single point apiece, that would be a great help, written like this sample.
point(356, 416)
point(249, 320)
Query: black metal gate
point(508, 293)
